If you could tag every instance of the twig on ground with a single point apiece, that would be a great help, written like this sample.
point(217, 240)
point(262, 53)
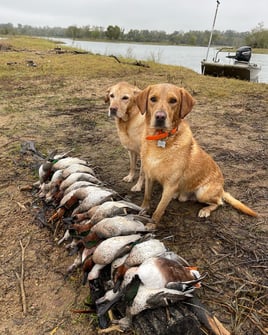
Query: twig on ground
point(21, 277)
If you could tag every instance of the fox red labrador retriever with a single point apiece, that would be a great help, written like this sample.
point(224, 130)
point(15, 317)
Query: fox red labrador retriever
point(171, 156)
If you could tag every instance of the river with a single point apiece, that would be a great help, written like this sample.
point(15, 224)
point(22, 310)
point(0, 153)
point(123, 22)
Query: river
point(187, 56)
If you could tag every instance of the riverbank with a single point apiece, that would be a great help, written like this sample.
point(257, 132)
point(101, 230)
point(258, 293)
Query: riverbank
point(59, 104)
point(186, 56)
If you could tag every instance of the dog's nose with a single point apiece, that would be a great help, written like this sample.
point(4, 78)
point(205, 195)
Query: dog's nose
point(160, 116)
point(113, 111)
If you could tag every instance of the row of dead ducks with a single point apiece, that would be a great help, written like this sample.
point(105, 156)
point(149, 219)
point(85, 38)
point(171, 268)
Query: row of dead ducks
point(114, 244)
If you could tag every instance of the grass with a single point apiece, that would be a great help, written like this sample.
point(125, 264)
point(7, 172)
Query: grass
point(60, 81)
point(29, 43)
point(64, 81)
point(60, 67)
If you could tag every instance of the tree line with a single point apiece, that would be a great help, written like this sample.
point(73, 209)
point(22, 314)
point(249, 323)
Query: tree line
point(256, 38)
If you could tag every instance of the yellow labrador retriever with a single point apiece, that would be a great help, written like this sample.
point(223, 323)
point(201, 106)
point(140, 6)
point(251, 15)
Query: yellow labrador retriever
point(171, 156)
point(129, 123)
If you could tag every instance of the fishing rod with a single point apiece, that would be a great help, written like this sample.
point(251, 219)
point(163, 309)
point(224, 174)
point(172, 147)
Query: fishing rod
point(211, 33)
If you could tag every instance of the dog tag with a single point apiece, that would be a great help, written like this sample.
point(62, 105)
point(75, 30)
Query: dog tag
point(161, 144)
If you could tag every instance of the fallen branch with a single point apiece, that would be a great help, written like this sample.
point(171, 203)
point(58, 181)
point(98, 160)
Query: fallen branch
point(137, 63)
point(21, 277)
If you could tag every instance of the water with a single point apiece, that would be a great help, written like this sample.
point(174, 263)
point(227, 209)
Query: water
point(186, 56)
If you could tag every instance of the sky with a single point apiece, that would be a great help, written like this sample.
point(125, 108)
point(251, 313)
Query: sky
point(165, 15)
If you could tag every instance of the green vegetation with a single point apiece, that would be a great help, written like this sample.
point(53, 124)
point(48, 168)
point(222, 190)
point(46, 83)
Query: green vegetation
point(256, 38)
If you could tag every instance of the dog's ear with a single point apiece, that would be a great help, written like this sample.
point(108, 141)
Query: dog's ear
point(141, 99)
point(187, 103)
point(136, 91)
point(106, 97)
point(132, 100)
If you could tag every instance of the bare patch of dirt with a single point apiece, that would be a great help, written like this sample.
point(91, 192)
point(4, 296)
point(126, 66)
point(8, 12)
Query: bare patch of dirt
point(230, 247)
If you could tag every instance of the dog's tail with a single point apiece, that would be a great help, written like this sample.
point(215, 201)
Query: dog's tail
point(238, 204)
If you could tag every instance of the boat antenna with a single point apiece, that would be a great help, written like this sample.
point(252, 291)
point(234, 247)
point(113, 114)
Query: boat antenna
point(211, 33)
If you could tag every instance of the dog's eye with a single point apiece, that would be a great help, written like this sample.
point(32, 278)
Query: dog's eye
point(125, 97)
point(172, 100)
point(111, 95)
point(153, 99)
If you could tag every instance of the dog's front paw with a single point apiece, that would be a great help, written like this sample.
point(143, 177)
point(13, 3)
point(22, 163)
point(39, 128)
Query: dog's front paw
point(136, 188)
point(204, 212)
point(129, 178)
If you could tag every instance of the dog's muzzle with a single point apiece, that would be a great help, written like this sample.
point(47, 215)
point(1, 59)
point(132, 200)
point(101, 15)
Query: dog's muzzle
point(112, 111)
point(160, 119)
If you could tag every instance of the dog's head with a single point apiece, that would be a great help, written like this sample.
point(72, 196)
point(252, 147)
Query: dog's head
point(165, 105)
point(121, 98)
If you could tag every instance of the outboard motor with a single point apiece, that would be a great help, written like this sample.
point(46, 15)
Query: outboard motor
point(243, 54)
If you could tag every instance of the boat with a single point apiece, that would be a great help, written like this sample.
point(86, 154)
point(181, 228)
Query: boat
point(240, 68)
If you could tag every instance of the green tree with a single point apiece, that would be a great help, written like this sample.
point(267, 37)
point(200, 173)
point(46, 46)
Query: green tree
point(7, 29)
point(258, 38)
point(113, 32)
point(72, 32)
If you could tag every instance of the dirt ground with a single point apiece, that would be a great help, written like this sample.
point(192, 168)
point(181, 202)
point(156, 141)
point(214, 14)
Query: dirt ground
point(229, 246)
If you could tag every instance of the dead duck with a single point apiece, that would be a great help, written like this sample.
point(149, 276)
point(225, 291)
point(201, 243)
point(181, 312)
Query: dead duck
point(58, 194)
point(45, 171)
point(138, 254)
point(149, 298)
point(157, 272)
point(78, 176)
point(74, 168)
point(112, 208)
point(108, 209)
point(118, 225)
point(63, 163)
point(78, 230)
point(76, 185)
point(88, 196)
point(57, 162)
point(97, 197)
point(52, 187)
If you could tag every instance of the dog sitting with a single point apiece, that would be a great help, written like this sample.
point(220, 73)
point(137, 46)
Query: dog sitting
point(129, 123)
point(171, 156)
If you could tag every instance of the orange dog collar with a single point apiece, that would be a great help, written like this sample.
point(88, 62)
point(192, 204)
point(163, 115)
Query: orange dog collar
point(161, 135)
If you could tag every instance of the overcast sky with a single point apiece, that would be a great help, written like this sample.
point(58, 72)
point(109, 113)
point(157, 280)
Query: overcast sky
point(167, 15)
